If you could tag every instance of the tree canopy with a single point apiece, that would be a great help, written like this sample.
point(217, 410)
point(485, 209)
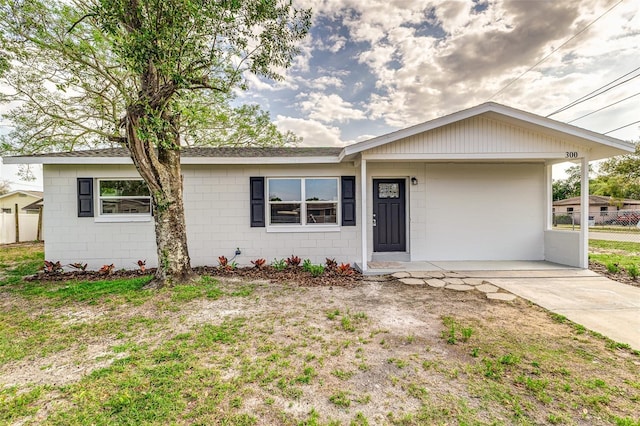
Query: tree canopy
point(617, 177)
point(151, 75)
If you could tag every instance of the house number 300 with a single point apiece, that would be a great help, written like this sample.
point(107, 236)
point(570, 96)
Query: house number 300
point(571, 154)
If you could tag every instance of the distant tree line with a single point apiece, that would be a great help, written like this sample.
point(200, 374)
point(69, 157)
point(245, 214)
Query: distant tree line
point(617, 177)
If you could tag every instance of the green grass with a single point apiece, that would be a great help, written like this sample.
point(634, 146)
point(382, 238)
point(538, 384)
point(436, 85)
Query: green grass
point(19, 261)
point(623, 254)
point(231, 353)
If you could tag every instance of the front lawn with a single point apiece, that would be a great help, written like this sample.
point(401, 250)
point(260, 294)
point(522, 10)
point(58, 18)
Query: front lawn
point(243, 352)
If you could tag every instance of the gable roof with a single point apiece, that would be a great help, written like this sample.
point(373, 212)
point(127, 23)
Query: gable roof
point(194, 155)
point(34, 194)
point(600, 146)
point(597, 145)
point(35, 206)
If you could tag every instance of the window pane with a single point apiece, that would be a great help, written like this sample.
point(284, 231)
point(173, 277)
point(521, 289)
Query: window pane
point(284, 190)
point(388, 190)
point(321, 213)
point(126, 206)
point(123, 188)
point(285, 213)
point(321, 190)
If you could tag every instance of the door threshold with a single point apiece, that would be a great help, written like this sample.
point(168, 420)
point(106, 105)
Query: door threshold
point(391, 256)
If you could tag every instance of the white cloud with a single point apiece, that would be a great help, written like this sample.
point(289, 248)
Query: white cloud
point(312, 132)
point(329, 108)
point(324, 82)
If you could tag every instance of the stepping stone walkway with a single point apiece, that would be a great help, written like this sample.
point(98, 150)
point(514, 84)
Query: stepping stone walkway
point(453, 281)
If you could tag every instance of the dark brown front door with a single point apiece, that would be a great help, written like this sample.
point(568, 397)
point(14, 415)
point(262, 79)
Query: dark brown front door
point(389, 218)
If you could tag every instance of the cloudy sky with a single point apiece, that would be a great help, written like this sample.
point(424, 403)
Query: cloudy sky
point(371, 67)
point(374, 66)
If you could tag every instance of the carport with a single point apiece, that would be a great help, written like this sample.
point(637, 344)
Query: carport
point(473, 186)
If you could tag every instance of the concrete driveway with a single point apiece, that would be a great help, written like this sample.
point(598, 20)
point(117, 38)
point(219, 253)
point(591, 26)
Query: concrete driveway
point(584, 297)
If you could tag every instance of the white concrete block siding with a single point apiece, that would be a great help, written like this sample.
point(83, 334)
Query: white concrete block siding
point(217, 214)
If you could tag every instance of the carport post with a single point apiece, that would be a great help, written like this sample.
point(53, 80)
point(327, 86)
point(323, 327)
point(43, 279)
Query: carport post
point(584, 212)
point(363, 212)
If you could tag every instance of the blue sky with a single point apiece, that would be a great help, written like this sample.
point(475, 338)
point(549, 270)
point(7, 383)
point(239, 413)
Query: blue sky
point(375, 66)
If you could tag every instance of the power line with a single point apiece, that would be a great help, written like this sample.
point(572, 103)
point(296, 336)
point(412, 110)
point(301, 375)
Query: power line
point(554, 51)
point(595, 93)
point(622, 127)
point(604, 107)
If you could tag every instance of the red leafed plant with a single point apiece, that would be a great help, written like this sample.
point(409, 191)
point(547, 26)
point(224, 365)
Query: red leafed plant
point(79, 266)
point(293, 261)
point(259, 263)
point(222, 261)
point(331, 264)
point(52, 267)
point(142, 264)
point(345, 269)
point(106, 269)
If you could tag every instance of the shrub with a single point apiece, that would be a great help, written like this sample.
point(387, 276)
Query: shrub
point(106, 269)
point(345, 269)
point(331, 264)
point(316, 270)
point(259, 263)
point(613, 268)
point(306, 265)
point(52, 267)
point(633, 272)
point(279, 264)
point(293, 261)
point(79, 266)
point(142, 264)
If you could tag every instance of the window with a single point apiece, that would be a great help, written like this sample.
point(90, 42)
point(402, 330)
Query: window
point(569, 209)
point(124, 197)
point(6, 210)
point(303, 201)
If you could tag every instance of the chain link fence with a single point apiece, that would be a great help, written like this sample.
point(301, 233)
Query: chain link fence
point(623, 225)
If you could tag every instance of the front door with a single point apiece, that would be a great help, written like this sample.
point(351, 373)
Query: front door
point(389, 218)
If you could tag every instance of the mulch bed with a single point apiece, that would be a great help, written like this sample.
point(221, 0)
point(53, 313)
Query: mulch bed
point(291, 275)
point(295, 275)
point(621, 276)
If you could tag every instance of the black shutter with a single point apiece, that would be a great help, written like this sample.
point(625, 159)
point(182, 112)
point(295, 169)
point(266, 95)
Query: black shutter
point(348, 200)
point(85, 197)
point(257, 201)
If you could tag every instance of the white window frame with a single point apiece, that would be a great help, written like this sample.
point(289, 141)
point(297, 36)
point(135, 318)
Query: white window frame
point(303, 226)
point(120, 217)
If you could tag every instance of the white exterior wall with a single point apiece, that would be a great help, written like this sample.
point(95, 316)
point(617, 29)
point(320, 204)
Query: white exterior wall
point(478, 136)
point(217, 209)
point(560, 247)
point(467, 211)
point(69, 238)
point(217, 214)
point(483, 212)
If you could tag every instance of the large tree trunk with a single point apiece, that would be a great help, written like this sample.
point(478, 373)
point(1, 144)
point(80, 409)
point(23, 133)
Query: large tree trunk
point(160, 168)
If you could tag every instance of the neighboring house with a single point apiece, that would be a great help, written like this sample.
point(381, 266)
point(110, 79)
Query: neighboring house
point(34, 207)
point(602, 209)
point(21, 198)
point(473, 185)
point(28, 223)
